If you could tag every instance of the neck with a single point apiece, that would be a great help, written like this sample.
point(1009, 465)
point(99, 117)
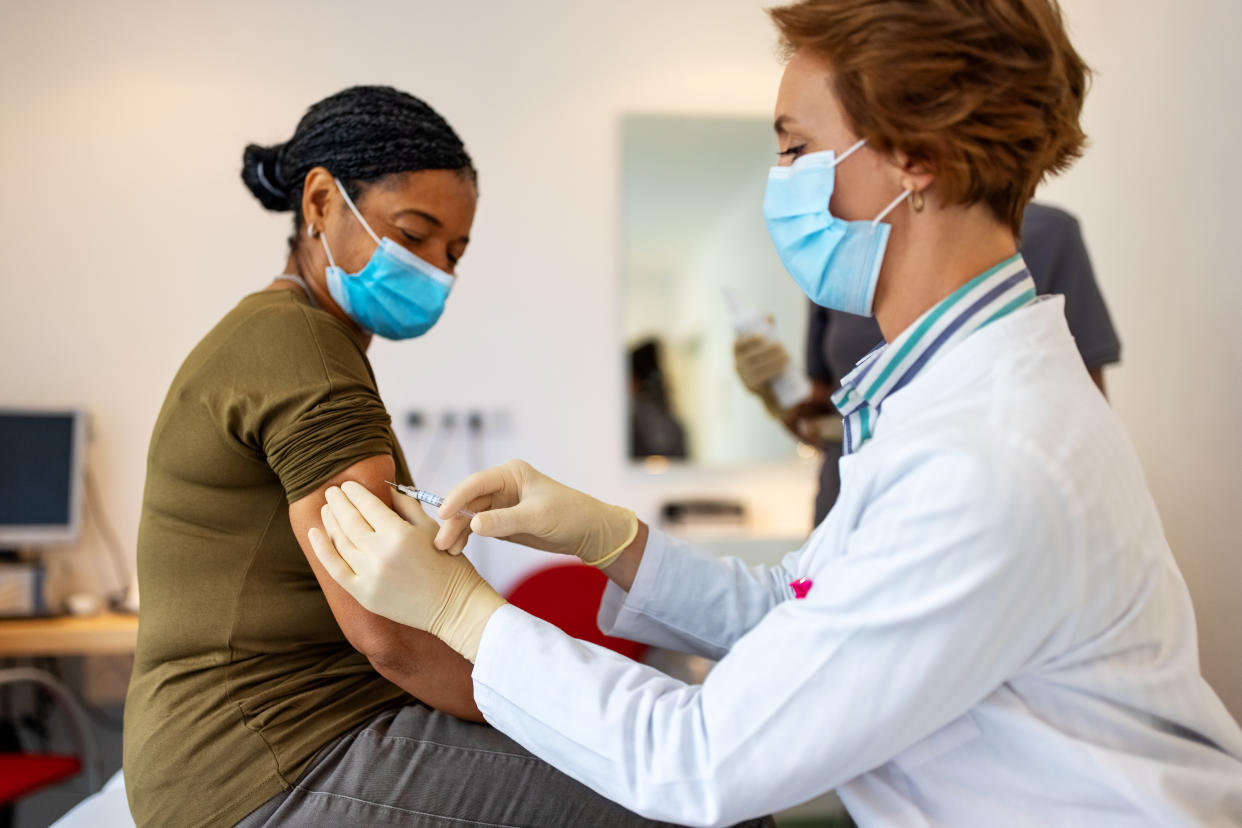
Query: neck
point(930, 256)
point(297, 264)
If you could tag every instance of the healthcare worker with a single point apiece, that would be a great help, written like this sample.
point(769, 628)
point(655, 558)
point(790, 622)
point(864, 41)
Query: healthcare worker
point(989, 628)
point(1054, 251)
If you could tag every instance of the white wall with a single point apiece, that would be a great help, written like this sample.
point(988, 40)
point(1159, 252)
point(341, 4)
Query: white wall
point(125, 232)
point(1160, 198)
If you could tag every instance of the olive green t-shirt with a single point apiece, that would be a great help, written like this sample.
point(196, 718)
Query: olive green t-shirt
point(241, 672)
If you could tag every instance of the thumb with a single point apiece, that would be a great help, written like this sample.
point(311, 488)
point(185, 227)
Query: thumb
point(452, 534)
point(410, 509)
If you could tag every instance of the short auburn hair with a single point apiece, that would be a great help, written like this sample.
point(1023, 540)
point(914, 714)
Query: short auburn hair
point(987, 93)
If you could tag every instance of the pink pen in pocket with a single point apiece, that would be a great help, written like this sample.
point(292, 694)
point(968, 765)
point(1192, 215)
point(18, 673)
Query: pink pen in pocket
point(801, 587)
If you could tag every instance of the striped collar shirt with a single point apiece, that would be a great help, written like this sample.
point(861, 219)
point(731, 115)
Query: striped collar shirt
point(890, 367)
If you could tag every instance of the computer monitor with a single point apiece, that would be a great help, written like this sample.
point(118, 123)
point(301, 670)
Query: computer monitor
point(42, 453)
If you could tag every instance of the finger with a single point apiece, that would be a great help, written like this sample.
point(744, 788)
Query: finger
point(456, 528)
point(772, 365)
point(761, 370)
point(479, 490)
point(453, 532)
point(759, 376)
point(353, 525)
point(374, 511)
point(344, 547)
point(459, 547)
point(336, 566)
point(411, 509)
point(765, 358)
point(749, 344)
point(777, 354)
point(500, 523)
point(773, 350)
point(452, 537)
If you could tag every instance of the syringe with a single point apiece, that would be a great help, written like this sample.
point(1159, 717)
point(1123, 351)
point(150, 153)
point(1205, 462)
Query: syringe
point(427, 497)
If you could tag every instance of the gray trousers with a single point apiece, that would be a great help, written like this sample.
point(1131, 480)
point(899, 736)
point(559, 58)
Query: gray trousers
point(419, 767)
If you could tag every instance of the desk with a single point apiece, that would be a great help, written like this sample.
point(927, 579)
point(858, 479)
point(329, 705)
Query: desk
point(103, 634)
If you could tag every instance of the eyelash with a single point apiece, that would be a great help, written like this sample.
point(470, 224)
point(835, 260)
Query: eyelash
point(419, 240)
point(793, 150)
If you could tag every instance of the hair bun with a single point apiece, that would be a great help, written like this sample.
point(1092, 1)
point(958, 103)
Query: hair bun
point(263, 177)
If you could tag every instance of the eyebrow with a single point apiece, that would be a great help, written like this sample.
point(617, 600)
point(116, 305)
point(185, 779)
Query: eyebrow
point(423, 214)
point(780, 124)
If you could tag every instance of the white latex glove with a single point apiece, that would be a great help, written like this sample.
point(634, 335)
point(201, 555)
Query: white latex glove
point(391, 567)
point(515, 502)
point(759, 360)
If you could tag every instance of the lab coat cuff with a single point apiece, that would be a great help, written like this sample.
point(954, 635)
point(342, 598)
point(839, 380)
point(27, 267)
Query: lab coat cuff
point(501, 641)
point(620, 612)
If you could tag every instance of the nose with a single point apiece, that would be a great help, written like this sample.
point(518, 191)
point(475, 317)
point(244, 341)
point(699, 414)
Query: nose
point(440, 258)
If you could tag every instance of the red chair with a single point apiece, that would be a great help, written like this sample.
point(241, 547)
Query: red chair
point(568, 596)
point(25, 773)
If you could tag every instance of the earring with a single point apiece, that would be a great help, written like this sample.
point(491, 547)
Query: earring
point(917, 202)
point(310, 231)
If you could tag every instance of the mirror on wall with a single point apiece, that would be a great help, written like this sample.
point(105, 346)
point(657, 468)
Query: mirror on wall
point(691, 226)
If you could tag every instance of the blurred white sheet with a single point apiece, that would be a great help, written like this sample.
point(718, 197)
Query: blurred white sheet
point(106, 809)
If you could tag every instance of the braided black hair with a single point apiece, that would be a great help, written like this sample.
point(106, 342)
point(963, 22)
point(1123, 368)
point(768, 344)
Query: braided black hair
point(360, 135)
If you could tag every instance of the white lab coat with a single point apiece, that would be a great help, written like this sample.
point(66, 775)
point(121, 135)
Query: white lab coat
point(997, 633)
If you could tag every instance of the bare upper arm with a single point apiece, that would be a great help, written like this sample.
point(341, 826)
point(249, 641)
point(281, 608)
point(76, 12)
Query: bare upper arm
point(416, 661)
point(362, 628)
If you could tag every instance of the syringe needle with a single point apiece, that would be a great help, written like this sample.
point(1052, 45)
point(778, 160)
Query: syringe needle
point(424, 496)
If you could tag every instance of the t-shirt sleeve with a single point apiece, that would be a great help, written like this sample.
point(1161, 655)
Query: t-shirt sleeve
point(1057, 255)
point(330, 434)
point(309, 404)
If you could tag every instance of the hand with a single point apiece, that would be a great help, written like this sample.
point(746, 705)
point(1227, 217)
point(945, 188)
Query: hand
point(390, 566)
point(758, 361)
point(815, 422)
point(515, 502)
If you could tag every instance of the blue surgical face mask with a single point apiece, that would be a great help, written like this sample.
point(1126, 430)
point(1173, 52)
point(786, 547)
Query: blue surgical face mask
point(397, 295)
point(835, 262)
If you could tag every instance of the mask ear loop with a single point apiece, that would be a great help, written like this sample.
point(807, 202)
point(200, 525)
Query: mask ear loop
point(892, 204)
point(891, 207)
point(323, 239)
point(850, 151)
point(354, 209)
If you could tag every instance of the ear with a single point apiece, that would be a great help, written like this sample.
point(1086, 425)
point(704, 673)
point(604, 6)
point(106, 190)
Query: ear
point(915, 175)
point(317, 194)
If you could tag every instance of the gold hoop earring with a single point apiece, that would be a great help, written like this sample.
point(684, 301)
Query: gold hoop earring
point(917, 202)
